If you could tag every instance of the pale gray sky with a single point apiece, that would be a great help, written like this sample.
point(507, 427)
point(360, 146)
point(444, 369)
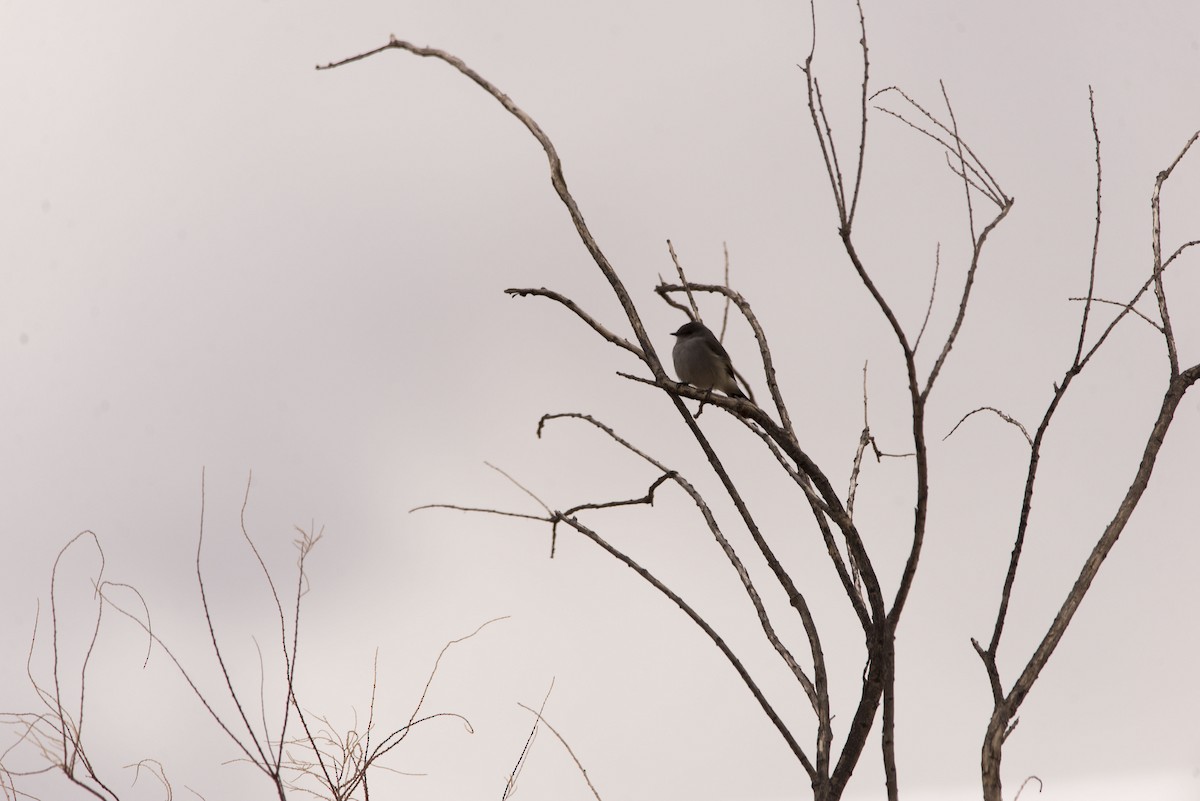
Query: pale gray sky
point(213, 257)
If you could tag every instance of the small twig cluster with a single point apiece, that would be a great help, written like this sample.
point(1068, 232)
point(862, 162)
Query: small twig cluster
point(301, 751)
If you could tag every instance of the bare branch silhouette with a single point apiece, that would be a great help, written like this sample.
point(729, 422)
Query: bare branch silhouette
point(510, 786)
point(1006, 418)
point(833, 514)
point(937, 266)
point(1006, 704)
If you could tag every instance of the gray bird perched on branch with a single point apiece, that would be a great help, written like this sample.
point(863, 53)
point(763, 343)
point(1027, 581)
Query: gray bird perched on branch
point(701, 360)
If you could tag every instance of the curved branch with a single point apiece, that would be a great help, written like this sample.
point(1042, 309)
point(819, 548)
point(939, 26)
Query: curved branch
point(1006, 418)
point(559, 181)
point(712, 635)
point(596, 326)
point(212, 634)
point(991, 186)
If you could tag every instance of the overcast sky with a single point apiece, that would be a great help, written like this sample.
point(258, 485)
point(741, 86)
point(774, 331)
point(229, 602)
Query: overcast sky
point(214, 258)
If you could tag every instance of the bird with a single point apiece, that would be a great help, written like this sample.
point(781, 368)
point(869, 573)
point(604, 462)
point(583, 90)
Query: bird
point(700, 360)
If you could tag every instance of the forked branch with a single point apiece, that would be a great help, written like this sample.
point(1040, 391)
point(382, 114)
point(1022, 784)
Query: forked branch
point(557, 518)
point(1007, 703)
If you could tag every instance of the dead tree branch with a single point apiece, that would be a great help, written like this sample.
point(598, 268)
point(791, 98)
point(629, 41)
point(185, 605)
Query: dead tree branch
point(1006, 704)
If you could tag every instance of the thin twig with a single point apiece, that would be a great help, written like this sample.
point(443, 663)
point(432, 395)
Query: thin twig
point(864, 439)
point(595, 325)
point(958, 150)
point(964, 298)
point(1006, 418)
point(1091, 288)
point(725, 309)
point(1123, 305)
point(862, 136)
point(937, 266)
point(510, 786)
point(647, 499)
point(263, 761)
point(565, 745)
point(1028, 779)
point(433, 673)
point(1156, 244)
point(695, 313)
point(519, 486)
point(994, 192)
point(478, 509)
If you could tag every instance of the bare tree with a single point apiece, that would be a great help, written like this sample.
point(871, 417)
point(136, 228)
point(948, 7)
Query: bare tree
point(298, 751)
point(831, 760)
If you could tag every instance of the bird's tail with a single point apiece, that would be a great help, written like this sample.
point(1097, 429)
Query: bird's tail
point(749, 392)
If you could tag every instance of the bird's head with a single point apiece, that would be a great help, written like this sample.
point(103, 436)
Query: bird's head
point(689, 329)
